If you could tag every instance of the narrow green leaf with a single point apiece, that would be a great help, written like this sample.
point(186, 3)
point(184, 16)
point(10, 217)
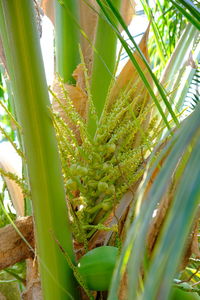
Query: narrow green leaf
point(194, 10)
point(190, 16)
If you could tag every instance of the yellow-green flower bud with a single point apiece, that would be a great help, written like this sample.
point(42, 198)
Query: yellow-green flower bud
point(110, 190)
point(82, 171)
point(71, 185)
point(110, 148)
point(73, 169)
point(106, 205)
point(102, 186)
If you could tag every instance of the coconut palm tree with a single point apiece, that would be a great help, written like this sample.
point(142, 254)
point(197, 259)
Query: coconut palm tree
point(110, 150)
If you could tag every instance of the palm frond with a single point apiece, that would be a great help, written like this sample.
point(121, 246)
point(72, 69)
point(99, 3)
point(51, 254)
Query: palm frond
point(193, 95)
point(142, 75)
point(189, 10)
point(169, 24)
point(161, 268)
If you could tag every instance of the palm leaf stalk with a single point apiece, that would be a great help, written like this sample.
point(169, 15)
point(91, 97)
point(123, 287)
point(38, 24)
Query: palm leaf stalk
point(25, 66)
point(66, 38)
point(103, 64)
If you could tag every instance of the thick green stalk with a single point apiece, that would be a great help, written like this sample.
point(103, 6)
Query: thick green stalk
point(103, 65)
point(66, 38)
point(25, 66)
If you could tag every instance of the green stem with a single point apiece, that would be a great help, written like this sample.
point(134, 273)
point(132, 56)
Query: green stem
point(103, 65)
point(25, 67)
point(66, 38)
